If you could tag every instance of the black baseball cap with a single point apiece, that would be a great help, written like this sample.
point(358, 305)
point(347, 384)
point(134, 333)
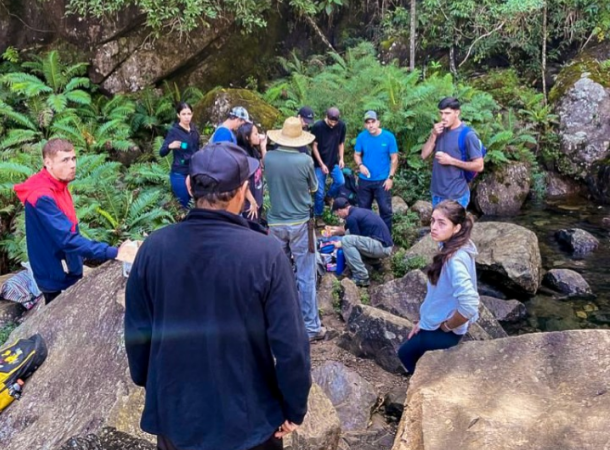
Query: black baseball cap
point(307, 114)
point(340, 203)
point(220, 167)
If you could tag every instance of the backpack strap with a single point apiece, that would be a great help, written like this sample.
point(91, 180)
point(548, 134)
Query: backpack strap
point(462, 142)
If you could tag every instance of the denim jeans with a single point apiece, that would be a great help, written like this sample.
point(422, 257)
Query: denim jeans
point(354, 247)
point(338, 180)
point(413, 349)
point(369, 190)
point(178, 182)
point(295, 244)
point(463, 200)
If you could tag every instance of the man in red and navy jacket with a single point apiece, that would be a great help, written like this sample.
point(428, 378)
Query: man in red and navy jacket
point(55, 247)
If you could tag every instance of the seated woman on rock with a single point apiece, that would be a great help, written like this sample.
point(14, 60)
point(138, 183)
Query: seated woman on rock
point(452, 300)
point(183, 140)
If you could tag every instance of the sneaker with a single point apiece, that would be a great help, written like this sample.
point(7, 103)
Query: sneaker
point(319, 336)
point(361, 282)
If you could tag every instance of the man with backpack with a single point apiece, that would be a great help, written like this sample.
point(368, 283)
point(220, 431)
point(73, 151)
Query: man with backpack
point(457, 153)
point(225, 132)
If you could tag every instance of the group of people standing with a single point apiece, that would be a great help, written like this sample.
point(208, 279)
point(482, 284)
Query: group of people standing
point(218, 321)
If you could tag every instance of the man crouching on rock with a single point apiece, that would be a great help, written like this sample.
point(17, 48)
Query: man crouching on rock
point(210, 303)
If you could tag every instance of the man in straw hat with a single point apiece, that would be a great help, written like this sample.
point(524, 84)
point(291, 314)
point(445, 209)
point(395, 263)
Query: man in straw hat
point(213, 328)
point(291, 180)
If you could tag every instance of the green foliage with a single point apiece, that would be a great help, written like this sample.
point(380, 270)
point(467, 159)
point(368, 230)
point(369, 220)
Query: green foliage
point(401, 265)
point(404, 229)
point(337, 293)
point(5, 332)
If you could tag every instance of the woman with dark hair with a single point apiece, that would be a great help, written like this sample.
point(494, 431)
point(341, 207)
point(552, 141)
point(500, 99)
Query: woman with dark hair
point(452, 300)
point(255, 145)
point(183, 140)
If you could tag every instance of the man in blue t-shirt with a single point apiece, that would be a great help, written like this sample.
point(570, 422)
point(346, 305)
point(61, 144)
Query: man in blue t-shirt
point(225, 132)
point(448, 180)
point(377, 159)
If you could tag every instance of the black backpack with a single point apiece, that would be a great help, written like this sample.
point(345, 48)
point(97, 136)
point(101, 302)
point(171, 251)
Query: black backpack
point(350, 189)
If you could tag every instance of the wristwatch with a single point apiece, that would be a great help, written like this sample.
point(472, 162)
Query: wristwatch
point(391, 177)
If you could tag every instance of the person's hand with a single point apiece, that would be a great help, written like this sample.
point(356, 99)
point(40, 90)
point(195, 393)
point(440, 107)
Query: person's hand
point(337, 244)
point(175, 144)
point(364, 171)
point(388, 184)
point(286, 428)
point(444, 158)
point(414, 331)
point(341, 164)
point(253, 211)
point(324, 169)
point(438, 129)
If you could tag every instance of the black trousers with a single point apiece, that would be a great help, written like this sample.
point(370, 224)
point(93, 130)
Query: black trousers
point(271, 444)
point(50, 296)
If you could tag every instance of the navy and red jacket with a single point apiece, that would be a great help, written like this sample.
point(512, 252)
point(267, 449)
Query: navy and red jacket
point(55, 247)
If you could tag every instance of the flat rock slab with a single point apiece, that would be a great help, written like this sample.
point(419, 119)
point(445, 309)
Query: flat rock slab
point(504, 310)
point(541, 391)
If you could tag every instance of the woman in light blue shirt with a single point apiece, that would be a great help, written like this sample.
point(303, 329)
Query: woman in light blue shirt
point(452, 301)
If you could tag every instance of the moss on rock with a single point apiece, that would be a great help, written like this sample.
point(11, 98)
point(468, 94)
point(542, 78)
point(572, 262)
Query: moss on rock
point(217, 103)
point(585, 65)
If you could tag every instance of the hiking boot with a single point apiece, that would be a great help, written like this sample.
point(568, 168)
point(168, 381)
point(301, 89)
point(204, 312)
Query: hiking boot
point(361, 282)
point(319, 336)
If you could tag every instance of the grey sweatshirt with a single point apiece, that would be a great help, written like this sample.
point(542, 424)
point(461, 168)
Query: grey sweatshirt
point(455, 291)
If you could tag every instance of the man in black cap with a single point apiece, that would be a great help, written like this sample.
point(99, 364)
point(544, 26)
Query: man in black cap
point(368, 236)
point(213, 327)
point(306, 116)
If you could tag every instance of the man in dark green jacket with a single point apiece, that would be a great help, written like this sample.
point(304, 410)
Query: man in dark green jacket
point(210, 303)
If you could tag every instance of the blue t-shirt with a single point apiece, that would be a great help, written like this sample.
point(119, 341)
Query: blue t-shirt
point(223, 134)
point(376, 151)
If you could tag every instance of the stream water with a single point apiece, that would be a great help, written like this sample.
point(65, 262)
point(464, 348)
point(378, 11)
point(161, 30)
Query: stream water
point(547, 312)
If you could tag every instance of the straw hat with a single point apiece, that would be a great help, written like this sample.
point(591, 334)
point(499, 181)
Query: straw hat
point(291, 134)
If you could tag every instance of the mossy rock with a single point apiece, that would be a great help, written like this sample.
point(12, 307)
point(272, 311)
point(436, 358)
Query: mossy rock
point(217, 103)
point(584, 65)
point(505, 86)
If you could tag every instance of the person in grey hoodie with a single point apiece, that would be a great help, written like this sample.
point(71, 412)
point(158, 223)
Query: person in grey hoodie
point(452, 300)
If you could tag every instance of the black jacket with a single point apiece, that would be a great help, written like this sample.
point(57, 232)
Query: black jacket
point(209, 304)
point(182, 156)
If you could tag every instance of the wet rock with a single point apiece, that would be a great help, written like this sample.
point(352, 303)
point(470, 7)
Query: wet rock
point(504, 310)
point(489, 291)
point(351, 298)
point(326, 294)
point(600, 317)
point(578, 241)
point(510, 390)
point(352, 396)
point(503, 192)
point(394, 403)
point(10, 312)
point(399, 206)
point(606, 222)
point(424, 211)
point(321, 428)
point(215, 106)
point(567, 282)
point(508, 257)
point(377, 335)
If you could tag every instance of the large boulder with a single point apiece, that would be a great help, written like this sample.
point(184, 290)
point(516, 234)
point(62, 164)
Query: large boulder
point(508, 255)
point(503, 192)
point(377, 335)
point(524, 392)
point(351, 298)
point(424, 210)
point(568, 282)
point(352, 396)
point(399, 206)
point(583, 105)
point(562, 186)
point(404, 296)
point(321, 428)
point(215, 107)
point(84, 387)
point(504, 310)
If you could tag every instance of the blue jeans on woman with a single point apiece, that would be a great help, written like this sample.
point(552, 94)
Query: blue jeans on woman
point(338, 180)
point(178, 182)
point(373, 190)
point(413, 349)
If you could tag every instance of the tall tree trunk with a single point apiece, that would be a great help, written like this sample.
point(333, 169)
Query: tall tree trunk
point(544, 39)
point(452, 66)
point(412, 35)
point(317, 30)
